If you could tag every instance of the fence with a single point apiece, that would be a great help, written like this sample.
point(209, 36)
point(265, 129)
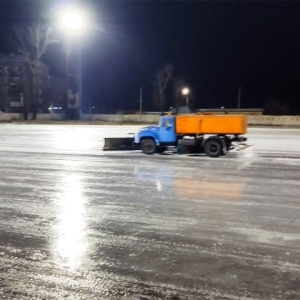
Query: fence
point(153, 118)
point(252, 119)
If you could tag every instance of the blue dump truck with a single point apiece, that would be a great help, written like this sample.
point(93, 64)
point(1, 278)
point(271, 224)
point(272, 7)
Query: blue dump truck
point(214, 135)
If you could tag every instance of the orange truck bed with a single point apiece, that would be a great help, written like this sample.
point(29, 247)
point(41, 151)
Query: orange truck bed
point(211, 124)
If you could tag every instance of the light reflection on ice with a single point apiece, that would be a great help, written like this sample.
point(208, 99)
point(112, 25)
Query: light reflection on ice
point(74, 140)
point(199, 186)
point(218, 189)
point(70, 244)
point(158, 185)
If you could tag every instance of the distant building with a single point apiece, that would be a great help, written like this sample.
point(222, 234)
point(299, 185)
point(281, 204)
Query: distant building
point(19, 88)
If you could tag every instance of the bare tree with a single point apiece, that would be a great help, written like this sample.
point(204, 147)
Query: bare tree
point(32, 42)
point(161, 80)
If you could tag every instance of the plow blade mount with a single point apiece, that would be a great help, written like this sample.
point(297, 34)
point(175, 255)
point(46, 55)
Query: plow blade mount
point(119, 144)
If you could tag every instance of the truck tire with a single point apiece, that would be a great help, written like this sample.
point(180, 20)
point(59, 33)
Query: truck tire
point(148, 146)
point(213, 148)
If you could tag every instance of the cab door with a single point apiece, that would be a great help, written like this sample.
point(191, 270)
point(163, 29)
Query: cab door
point(167, 130)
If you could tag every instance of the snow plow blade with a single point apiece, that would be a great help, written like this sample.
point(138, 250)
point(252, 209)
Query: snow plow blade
point(120, 144)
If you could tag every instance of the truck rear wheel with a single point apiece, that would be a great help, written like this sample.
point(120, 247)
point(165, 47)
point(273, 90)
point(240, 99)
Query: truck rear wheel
point(213, 148)
point(148, 146)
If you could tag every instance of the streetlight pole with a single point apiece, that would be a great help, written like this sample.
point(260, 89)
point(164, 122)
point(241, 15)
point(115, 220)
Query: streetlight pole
point(76, 20)
point(187, 101)
point(239, 97)
point(141, 103)
point(79, 77)
point(72, 21)
point(73, 78)
point(67, 75)
point(185, 92)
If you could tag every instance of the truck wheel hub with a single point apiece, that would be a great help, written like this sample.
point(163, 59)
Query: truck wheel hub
point(213, 148)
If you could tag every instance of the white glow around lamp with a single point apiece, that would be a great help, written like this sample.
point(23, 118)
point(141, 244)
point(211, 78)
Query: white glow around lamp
point(72, 20)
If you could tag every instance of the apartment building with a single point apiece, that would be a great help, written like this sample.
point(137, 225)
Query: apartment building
point(20, 88)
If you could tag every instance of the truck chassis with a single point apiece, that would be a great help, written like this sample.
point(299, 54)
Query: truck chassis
point(213, 146)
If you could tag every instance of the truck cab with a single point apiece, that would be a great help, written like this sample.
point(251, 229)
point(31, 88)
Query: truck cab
point(155, 138)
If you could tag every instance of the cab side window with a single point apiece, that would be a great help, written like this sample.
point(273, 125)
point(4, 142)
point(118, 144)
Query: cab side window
point(167, 123)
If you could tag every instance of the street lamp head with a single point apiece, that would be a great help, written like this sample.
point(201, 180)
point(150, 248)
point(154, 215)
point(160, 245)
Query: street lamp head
point(72, 21)
point(75, 19)
point(185, 91)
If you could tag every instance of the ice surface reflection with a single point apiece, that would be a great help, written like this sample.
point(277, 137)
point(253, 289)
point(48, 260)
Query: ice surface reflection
point(70, 244)
point(199, 186)
point(75, 139)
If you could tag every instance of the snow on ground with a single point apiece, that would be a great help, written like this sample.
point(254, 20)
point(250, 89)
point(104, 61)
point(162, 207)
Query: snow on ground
point(80, 223)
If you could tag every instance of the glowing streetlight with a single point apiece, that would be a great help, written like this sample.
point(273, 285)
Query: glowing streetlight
point(185, 92)
point(73, 20)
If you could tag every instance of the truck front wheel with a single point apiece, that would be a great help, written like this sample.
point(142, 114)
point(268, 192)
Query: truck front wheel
point(148, 146)
point(213, 148)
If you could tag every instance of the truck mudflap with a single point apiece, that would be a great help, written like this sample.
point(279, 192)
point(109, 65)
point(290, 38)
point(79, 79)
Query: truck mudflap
point(239, 143)
point(241, 146)
point(120, 144)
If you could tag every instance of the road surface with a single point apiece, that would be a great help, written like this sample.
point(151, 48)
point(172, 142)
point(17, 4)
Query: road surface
point(78, 223)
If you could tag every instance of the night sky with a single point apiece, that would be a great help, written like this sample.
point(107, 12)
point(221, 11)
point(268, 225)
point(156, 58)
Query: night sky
point(214, 46)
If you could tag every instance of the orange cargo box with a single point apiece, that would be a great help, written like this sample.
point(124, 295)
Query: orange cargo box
point(211, 124)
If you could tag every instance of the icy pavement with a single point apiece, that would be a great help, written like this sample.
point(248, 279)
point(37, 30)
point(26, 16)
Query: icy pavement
point(77, 223)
